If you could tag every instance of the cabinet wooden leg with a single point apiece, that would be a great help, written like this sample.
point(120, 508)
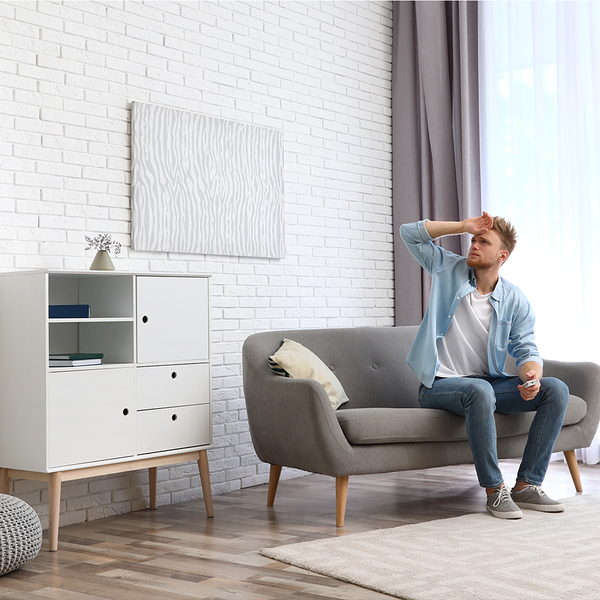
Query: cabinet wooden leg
point(4, 481)
point(152, 479)
point(274, 476)
point(341, 493)
point(571, 459)
point(205, 480)
point(54, 510)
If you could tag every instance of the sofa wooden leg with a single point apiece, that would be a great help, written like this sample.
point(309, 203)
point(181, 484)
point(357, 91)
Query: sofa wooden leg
point(573, 469)
point(273, 481)
point(341, 494)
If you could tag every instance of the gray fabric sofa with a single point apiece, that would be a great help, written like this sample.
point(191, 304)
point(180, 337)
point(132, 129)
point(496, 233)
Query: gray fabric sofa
point(381, 428)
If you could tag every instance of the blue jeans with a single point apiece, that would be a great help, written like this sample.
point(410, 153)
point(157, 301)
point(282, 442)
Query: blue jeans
point(477, 398)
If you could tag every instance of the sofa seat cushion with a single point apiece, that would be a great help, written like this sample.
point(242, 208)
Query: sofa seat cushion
point(394, 425)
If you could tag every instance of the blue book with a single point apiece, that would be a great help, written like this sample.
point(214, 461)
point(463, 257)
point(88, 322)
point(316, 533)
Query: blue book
point(69, 311)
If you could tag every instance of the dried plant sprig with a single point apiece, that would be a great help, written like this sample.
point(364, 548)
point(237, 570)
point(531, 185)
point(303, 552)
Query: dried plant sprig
point(103, 242)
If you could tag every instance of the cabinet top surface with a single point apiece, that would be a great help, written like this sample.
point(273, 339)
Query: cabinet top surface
point(90, 273)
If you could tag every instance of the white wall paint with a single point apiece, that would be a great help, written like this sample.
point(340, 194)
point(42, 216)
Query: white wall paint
point(318, 71)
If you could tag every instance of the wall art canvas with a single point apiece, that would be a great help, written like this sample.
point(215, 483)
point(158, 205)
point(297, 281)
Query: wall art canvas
point(204, 185)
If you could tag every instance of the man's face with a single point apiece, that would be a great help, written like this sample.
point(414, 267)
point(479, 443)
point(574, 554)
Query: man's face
point(486, 251)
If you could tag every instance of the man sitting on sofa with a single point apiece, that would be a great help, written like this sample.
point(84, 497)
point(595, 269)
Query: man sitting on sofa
point(473, 319)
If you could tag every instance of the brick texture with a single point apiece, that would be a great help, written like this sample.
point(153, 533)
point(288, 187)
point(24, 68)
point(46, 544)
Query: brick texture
point(318, 71)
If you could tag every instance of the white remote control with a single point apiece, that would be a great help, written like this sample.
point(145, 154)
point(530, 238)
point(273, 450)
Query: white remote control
point(531, 382)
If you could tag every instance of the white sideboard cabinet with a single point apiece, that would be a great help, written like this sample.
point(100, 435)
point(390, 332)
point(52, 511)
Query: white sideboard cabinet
point(146, 405)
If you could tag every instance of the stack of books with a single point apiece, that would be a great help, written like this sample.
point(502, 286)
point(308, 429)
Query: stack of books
point(76, 360)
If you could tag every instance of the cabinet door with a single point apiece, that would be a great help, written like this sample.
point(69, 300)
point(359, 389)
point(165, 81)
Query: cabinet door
point(91, 416)
point(172, 319)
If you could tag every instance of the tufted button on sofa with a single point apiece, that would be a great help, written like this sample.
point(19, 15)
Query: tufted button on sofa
point(382, 427)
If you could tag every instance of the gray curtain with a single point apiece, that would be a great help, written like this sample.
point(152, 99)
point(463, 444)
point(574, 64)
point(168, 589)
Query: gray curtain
point(435, 131)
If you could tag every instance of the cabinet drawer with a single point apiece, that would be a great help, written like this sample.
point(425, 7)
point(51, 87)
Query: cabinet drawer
point(173, 428)
point(175, 385)
point(91, 416)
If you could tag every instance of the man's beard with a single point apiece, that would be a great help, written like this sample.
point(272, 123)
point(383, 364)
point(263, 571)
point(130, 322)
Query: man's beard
point(479, 264)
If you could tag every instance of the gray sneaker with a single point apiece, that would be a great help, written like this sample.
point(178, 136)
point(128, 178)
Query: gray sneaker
point(535, 498)
point(500, 505)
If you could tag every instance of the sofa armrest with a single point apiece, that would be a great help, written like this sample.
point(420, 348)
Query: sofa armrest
point(583, 380)
point(293, 424)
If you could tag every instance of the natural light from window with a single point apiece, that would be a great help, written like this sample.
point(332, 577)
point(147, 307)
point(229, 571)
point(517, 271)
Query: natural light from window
point(540, 112)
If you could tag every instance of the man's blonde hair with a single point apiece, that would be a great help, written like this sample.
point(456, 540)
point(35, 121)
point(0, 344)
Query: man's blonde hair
point(507, 233)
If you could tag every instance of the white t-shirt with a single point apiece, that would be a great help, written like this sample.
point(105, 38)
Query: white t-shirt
point(463, 350)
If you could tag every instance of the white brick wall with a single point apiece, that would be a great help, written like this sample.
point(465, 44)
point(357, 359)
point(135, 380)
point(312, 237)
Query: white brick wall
point(318, 71)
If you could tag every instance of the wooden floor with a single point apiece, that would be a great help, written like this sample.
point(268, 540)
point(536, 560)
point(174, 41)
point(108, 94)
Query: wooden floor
point(175, 553)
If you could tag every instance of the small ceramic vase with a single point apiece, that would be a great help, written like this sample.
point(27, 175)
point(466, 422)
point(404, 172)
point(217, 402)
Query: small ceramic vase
point(102, 262)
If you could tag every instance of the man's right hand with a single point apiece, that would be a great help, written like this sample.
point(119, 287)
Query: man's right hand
point(478, 225)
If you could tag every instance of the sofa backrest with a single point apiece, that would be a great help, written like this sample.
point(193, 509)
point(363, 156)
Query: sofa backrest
point(370, 362)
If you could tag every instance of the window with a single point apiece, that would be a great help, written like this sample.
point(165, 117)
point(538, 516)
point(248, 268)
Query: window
point(540, 110)
point(540, 142)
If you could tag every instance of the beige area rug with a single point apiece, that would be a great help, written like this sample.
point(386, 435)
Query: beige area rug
point(473, 557)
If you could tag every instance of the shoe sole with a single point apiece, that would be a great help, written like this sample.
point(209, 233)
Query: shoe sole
point(552, 508)
point(504, 515)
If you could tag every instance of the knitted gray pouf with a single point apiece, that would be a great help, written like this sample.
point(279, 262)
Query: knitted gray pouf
point(20, 533)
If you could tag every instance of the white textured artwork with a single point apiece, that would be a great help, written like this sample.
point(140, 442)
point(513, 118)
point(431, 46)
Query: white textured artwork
point(204, 185)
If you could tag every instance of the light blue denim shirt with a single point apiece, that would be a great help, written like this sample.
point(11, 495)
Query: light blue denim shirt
point(511, 326)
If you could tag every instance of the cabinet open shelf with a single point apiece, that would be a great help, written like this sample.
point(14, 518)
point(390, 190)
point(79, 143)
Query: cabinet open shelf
point(94, 320)
point(104, 365)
